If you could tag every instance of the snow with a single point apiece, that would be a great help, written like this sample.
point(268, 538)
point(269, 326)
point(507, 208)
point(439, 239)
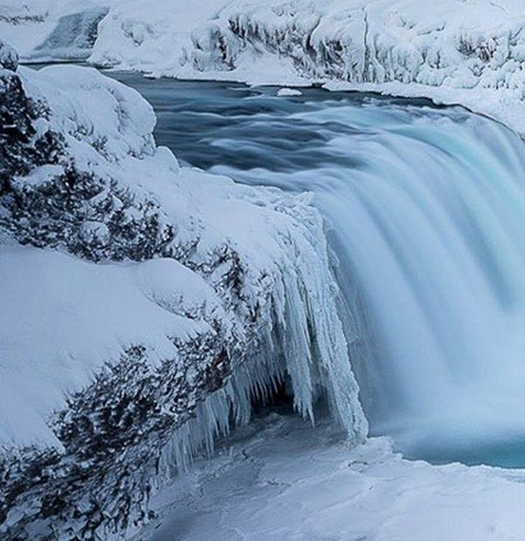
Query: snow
point(453, 51)
point(63, 318)
point(104, 120)
point(280, 479)
point(467, 52)
point(288, 92)
point(286, 284)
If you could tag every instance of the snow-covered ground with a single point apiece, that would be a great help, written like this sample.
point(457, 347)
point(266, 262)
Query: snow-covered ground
point(283, 480)
point(55, 335)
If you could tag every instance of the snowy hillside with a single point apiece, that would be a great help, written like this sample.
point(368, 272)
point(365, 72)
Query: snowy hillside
point(470, 52)
point(138, 295)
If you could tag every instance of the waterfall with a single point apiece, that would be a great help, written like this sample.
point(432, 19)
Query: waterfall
point(425, 214)
point(427, 218)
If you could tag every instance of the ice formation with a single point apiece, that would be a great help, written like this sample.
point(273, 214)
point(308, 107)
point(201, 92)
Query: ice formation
point(174, 295)
point(281, 479)
point(287, 92)
point(452, 51)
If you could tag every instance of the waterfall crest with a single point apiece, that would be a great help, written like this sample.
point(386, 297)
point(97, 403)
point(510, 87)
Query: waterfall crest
point(425, 213)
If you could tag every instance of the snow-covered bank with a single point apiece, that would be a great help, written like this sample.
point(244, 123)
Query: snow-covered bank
point(453, 51)
point(466, 52)
point(145, 295)
point(282, 480)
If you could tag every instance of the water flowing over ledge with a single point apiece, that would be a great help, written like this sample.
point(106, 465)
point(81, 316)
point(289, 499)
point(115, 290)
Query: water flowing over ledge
point(424, 209)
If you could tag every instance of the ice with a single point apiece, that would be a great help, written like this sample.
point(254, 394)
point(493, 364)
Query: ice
point(283, 480)
point(452, 51)
point(252, 270)
point(289, 92)
point(256, 378)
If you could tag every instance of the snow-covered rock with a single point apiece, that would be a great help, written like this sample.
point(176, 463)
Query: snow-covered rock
point(142, 305)
point(469, 52)
point(288, 92)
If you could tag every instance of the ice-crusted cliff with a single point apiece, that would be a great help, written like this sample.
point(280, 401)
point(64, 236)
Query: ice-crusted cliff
point(143, 306)
point(470, 52)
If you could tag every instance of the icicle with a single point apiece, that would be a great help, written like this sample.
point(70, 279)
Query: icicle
point(304, 340)
point(214, 417)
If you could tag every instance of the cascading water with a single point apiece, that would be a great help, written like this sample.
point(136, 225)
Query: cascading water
point(425, 210)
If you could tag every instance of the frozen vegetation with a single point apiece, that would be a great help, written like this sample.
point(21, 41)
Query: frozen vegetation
point(138, 296)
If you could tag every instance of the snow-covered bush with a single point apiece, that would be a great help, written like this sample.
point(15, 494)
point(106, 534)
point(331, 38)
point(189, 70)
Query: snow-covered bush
point(142, 306)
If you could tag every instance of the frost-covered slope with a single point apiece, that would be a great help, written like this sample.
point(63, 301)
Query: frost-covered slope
point(470, 52)
point(138, 296)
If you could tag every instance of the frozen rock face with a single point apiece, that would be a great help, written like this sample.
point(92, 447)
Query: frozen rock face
point(453, 51)
point(143, 304)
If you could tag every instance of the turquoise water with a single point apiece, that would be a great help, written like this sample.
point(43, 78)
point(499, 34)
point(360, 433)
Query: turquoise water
point(425, 214)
